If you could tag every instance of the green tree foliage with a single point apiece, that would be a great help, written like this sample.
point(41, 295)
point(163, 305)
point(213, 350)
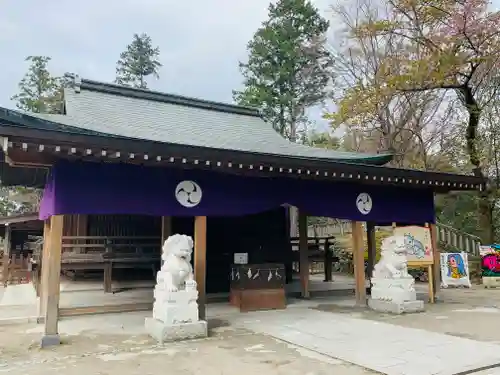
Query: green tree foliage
point(288, 68)
point(137, 62)
point(39, 90)
point(322, 140)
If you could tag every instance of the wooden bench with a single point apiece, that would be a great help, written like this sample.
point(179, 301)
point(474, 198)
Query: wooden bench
point(86, 253)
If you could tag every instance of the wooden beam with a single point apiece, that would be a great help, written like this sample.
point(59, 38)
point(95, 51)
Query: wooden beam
point(436, 276)
point(52, 263)
point(303, 256)
point(200, 262)
point(20, 158)
point(359, 263)
point(6, 255)
point(166, 228)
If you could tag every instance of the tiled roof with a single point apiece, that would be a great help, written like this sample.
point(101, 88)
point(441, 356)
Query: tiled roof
point(152, 116)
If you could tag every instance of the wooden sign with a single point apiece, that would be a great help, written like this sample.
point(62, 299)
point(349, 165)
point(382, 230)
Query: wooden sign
point(419, 242)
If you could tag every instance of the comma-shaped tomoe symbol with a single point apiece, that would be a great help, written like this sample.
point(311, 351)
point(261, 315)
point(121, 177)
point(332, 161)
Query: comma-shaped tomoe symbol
point(188, 193)
point(364, 203)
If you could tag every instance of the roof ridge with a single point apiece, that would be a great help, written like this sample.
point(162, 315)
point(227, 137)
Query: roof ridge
point(144, 94)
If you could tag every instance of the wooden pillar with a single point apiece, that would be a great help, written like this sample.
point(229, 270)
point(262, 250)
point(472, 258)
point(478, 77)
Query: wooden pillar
point(372, 248)
point(42, 287)
point(358, 253)
point(166, 228)
point(303, 255)
point(51, 288)
point(6, 255)
point(436, 271)
point(200, 262)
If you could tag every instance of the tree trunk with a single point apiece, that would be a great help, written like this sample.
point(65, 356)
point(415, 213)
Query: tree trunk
point(485, 206)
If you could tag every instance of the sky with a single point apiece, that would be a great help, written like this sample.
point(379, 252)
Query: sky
point(200, 42)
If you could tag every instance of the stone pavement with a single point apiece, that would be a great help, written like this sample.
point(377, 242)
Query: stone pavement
point(378, 346)
point(495, 371)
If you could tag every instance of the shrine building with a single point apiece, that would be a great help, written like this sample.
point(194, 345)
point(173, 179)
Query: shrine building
point(123, 168)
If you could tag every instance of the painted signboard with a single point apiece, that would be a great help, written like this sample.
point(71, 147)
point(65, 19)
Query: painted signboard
point(419, 244)
point(455, 270)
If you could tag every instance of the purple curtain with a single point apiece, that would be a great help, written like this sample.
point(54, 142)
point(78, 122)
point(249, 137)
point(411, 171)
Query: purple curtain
point(102, 188)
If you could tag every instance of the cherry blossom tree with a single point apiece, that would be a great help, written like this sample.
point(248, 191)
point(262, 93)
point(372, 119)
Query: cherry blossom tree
point(444, 45)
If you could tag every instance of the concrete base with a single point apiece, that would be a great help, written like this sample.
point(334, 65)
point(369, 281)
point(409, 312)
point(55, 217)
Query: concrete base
point(491, 282)
point(50, 340)
point(396, 308)
point(175, 332)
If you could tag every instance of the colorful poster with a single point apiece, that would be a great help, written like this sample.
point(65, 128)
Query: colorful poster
point(483, 250)
point(455, 270)
point(419, 243)
point(490, 260)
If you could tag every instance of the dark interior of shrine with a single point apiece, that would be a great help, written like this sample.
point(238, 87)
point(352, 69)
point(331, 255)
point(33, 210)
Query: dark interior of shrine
point(264, 236)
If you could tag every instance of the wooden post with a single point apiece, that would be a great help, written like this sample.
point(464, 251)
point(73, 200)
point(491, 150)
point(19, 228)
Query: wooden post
point(166, 228)
point(303, 255)
point(372, 248)
point(108, 269)
point(432, 292)
point(358, 257)
point(200, 262)
point(51, 289)
point(44, 268)
point(436, 274)
point(328, 261)
point(6, 255)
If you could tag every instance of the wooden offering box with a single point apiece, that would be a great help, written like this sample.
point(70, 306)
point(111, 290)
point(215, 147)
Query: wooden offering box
point(258, 286)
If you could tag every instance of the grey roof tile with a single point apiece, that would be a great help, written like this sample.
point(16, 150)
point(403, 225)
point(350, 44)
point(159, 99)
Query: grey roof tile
point(164, 121)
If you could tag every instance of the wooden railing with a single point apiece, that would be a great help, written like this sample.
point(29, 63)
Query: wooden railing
point(16, 269)
point(320, 258)
point(457, 239)
point(448, 235)
point(86, 253)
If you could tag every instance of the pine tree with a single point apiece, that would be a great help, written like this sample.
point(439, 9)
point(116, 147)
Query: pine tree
point(288, 68)
point(137, 62)
point(39, 91)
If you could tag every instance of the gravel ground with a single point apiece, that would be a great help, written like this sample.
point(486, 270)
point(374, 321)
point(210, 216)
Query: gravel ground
point(227, 350)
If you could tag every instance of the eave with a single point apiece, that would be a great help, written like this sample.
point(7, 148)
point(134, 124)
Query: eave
point(39, 149)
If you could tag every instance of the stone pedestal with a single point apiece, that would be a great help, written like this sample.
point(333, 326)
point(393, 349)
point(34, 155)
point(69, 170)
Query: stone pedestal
point(395, 308)
point(175, 332)
point(395, 296)
point(175, 316)
point(491, 282)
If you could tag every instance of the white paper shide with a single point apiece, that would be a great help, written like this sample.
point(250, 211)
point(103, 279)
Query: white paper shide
point(393, 288)
point(175, 308)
